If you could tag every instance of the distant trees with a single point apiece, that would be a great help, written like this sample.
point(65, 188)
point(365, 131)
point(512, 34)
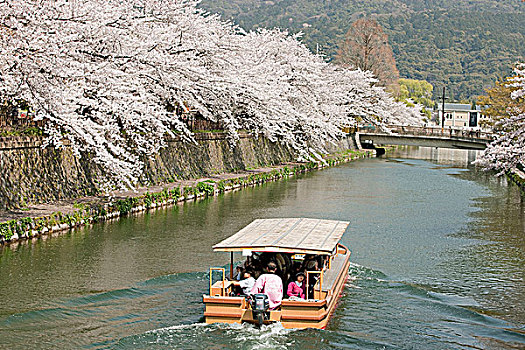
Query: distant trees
point(451, 50)
point(498, 102)
point(417, 92)
point(366, 47)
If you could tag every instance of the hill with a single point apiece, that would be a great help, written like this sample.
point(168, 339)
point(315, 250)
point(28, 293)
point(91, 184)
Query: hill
point(463, 44)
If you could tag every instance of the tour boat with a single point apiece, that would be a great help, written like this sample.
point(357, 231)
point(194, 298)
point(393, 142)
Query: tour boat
point(285, 241)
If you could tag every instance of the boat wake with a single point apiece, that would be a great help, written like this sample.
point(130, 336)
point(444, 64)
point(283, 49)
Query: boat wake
point(220, 335)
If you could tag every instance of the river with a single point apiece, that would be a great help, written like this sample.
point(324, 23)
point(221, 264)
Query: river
point(438, 256)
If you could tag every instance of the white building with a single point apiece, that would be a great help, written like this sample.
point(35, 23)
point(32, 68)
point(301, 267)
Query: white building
point(461, 115)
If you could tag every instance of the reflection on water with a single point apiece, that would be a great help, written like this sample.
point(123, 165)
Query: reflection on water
point(438, 256)
point(442, 156)
point(492, 268)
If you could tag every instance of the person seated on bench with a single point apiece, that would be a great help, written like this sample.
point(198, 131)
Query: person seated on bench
point(245, 284)
point(297, 288)
point(239, 272)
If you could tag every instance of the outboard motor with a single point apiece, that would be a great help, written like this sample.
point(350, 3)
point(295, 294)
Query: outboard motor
point(260, 305)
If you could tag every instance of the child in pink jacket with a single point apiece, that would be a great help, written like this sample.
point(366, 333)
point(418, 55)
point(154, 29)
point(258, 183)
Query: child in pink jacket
point(297, 288)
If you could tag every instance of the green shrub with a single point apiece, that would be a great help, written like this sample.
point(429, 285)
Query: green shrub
point(189, 190)
point(33, 131)
point(148, 200)
point(175, 193)
point(79, 205)
point(124, 206)
point(206, 188)
point(40, 223)
point(25, 224)
point(221, 186)
point(5, 231)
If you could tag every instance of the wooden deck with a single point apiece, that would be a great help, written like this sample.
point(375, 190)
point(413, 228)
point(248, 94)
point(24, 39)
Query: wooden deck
point(331, 275)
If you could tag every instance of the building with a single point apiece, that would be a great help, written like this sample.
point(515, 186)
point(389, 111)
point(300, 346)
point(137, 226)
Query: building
point(461, 115)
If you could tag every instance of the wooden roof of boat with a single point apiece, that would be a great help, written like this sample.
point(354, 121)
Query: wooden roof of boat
point(297, 235)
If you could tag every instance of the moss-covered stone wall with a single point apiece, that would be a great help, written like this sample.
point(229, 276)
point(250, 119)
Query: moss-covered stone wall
point(31, 227)
point(213, 154)
point(518, 178)
point(32, 174)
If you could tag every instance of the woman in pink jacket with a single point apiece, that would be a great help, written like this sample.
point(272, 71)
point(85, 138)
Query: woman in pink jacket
point(297, 288)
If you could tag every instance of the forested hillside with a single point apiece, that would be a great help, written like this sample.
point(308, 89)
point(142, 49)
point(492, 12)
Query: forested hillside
point(464, 44)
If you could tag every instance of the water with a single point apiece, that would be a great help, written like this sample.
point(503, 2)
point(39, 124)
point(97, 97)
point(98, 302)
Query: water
point(438, 263)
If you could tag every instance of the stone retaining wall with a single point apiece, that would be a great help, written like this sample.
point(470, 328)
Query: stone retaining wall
point(32, 174)
point(33, 227)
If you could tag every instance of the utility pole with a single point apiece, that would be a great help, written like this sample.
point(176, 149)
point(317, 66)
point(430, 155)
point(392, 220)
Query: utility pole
point(443, 97)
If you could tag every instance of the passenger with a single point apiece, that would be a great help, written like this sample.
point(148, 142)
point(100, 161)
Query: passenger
point(238, 273)
point(325, 262)
point(254, 265)
point(271, 285)
point(308, 261)
point(296, 268)
point(297, 288)
point(312, 265)
point(246, 284)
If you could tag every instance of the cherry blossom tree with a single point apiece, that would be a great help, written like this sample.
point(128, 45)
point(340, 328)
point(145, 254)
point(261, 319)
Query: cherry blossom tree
point(507, 152)
point(107, 75)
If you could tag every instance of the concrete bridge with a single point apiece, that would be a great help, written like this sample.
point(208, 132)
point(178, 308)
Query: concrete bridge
point(424, 137)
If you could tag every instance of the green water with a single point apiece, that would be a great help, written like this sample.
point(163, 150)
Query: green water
point(438, 263)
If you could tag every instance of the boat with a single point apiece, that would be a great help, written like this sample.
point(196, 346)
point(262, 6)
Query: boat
point(286, 241)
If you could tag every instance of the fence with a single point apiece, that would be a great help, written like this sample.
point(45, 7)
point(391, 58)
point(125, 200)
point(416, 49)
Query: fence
point(15, 120)
point(434, 131)
point(22, 120)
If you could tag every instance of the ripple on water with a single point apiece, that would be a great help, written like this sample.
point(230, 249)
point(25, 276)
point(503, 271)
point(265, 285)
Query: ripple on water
point(215, 336)
point(440, 269)
point(375, 312)
point(405, 314)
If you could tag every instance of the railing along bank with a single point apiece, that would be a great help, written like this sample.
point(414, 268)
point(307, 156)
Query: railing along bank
point(433, 131)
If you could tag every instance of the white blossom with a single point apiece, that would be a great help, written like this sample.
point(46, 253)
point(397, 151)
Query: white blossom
point(507, 152)
point(107, 75)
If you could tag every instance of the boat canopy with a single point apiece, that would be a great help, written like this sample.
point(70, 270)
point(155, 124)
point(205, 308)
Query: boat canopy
point(287, 235)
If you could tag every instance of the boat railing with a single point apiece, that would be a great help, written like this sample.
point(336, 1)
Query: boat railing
point(223, 279)
point(308, 273)
point(341, 249)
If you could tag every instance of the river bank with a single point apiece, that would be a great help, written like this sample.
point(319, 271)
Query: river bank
point(518, 178)
point(33, 173)
point(45, 219)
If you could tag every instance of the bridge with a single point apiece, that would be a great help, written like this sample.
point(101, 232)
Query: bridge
point(424, 137)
